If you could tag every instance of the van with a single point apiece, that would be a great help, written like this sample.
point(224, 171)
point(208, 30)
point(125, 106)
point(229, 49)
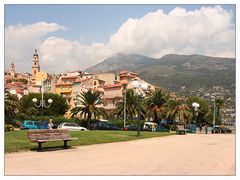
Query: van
point(148, 126)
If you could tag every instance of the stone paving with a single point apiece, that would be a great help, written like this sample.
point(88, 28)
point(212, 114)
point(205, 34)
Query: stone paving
point(191, 154)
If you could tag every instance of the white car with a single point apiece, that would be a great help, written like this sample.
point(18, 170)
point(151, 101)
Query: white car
point(71, 127)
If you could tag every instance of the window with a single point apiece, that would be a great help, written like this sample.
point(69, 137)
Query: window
point(95, 83)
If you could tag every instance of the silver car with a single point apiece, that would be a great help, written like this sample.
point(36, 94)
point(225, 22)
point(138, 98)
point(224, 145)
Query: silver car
point(71, 127)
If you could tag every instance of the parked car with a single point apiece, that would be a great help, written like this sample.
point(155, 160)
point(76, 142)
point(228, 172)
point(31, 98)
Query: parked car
point(30, 124)
point(148, 126)
point(131, 127)
point(103, 126)
point(71, 126)
point(219, 129)
point(161, 129)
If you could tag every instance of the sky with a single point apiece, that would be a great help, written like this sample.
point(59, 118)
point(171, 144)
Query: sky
point(74, 37)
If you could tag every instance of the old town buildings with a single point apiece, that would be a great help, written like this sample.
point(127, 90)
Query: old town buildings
point(70, 84)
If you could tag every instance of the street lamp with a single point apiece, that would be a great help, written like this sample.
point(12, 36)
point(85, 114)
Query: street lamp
point(125, 103)
point(214, 112)
point(196, 109)
point(137, 85)
point(42, 103)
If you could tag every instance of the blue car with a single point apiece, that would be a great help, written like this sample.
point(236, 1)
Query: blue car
point(29, 124)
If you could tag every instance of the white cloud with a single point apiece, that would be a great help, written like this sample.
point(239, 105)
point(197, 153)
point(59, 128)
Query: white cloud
point(206, 31)
point(21, 40)
point(179, 30)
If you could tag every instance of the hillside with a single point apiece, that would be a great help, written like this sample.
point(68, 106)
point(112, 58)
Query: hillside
point(175, 72)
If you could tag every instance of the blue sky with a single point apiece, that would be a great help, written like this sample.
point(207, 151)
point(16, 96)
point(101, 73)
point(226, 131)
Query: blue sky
point(80, 36)
point(90, 22)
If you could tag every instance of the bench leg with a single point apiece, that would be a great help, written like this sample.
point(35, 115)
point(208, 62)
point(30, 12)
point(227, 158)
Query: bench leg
point(39, 146)
point(65, 144)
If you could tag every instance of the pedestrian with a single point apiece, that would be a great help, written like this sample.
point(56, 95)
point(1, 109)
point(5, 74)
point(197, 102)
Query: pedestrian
point(154, 126)
point(200, 127)
point(206, 129)
point(50, 124)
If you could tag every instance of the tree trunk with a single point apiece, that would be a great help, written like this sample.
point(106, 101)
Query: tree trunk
point(155, 117)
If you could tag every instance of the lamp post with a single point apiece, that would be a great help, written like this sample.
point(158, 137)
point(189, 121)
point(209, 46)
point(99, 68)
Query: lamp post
point(214, 112)
point(125, 102)
point(196, 109)
point(42, 103)
point(137, 85)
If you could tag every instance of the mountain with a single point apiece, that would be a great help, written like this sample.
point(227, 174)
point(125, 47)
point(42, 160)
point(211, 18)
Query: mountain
point(121, 62)
point(173, 71)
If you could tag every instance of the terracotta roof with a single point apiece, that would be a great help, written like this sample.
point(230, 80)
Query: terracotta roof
point(82, 80)
point(9, 77)
point(127, 72)
point(87, 74)
point(63, 84)
point(112, 86)
point(69, 77)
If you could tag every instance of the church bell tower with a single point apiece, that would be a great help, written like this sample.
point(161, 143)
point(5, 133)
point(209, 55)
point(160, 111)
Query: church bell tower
point(35, 65)
point(12, 70)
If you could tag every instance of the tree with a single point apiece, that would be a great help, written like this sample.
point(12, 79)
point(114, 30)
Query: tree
point(133, 102)
point(89, 105)
point(58, 107)
point(11, 104)
point(178, 110)
point(219, 104)
point(155, 101)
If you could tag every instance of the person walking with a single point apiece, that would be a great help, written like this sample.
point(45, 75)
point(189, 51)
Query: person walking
point(200, 127)
point(206, 129)
point(153, 127)
point(50, 124)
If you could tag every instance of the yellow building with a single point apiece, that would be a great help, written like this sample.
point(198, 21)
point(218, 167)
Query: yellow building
point(65, 87)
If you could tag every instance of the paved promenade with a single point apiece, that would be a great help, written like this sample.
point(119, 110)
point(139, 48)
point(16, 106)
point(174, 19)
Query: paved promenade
point(192, 154)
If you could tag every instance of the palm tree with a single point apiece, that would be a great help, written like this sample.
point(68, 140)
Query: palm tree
point(11, 103)
point(133, 102)
point(219, 106)
point(154, 103)
point(178, 110)
point(89, 105)
point(210, 114)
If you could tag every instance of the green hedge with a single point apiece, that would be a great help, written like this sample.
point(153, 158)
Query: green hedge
point(119, 123)
point(56, 120)
point(80, 122)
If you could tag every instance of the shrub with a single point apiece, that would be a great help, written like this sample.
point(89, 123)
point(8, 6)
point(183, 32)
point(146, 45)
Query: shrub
point(9, 127)
point(119, 123)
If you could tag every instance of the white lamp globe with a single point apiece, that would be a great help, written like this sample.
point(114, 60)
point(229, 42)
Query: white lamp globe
point(50, 101)
point(195, 104)
point(34, 100)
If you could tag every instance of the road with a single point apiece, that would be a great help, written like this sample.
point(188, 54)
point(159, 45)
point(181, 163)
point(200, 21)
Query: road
point(191, 154)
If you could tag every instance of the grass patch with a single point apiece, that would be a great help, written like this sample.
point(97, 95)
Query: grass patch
point(18, 141)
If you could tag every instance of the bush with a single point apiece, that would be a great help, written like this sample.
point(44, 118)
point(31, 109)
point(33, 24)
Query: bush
point(9, 127)
point(119, 123)
point(56, 120)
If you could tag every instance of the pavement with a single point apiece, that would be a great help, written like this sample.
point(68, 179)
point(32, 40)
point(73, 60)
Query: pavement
point(191, 154)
